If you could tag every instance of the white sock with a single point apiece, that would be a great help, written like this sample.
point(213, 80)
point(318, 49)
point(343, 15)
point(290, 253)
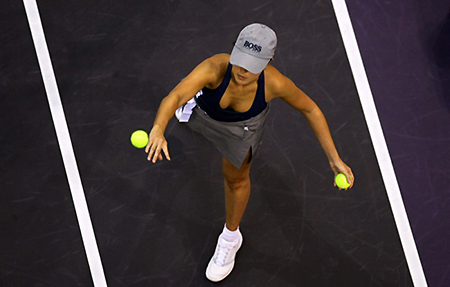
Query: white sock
point(229, 235)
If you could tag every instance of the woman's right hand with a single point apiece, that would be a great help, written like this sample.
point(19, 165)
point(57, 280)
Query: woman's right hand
point(156, 143)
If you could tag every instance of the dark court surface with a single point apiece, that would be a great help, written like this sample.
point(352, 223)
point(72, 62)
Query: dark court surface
point(406, 50)
point(157, 225)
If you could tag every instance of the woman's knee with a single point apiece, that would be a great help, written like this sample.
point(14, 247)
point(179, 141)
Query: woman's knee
point(237, 182)
point(236, 178)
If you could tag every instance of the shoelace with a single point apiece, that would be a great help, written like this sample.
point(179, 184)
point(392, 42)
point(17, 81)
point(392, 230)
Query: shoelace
point(223, 250)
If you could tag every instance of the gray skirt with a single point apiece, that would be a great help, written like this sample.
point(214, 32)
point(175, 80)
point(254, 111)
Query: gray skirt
point(232, 139)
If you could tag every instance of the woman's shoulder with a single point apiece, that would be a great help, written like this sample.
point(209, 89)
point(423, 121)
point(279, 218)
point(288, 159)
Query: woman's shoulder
point(273, 77)
point(219, 61)
point(276, 83)
point(216, 66)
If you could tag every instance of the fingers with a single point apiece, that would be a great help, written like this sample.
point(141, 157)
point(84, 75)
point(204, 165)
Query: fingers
point(147, 148)
point(350, 179)
point(153, 149)
point(166, 151)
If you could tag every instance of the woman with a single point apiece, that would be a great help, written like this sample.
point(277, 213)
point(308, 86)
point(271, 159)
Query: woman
point(230, 110)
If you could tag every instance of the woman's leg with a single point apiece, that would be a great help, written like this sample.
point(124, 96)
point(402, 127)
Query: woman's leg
point(237, 193)
point(237, 190)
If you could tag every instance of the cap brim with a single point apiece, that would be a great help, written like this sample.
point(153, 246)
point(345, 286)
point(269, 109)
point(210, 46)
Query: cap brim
point(251, 63)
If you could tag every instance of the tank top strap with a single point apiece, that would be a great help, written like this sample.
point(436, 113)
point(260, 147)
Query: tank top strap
point(224, 84)
point(260, 97)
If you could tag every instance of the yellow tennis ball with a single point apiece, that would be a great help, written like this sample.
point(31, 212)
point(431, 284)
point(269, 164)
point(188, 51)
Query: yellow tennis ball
point(341, 181)
point(139, 138)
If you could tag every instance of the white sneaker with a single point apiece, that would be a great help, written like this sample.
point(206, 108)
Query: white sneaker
point(222, 262)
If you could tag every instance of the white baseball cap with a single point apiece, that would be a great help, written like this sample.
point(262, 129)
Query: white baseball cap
point(254, 48)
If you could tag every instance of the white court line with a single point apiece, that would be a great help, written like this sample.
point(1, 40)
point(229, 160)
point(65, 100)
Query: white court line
point(379, 143)
point(65, 144)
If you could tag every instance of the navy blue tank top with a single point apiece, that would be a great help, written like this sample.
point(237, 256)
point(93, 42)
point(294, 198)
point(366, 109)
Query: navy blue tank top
point(209, 101)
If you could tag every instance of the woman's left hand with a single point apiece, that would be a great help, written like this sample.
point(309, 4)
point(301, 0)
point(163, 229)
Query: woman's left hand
point(341, 167)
